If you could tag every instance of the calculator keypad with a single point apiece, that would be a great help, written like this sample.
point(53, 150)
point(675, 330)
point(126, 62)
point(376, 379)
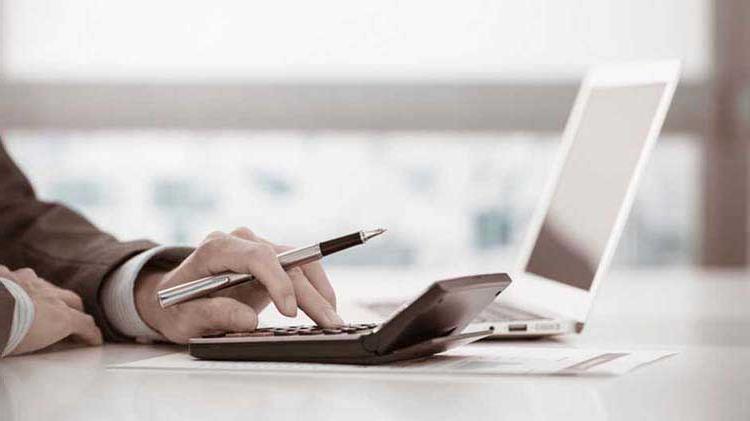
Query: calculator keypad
point(300, 331)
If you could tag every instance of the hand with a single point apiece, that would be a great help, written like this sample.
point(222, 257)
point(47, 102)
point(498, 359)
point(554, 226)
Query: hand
point(58, 313)
point(235, 309)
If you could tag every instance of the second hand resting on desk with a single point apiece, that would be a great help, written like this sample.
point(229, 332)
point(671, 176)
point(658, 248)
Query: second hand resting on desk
point(292, 258)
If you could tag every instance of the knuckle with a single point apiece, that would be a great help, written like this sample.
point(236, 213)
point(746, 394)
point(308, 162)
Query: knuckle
point(244, 232)
point(212, 245)
point(47, 300)
point(261, 251)
point(31, 287)
point(66, 316)
point(51, 296)
point(76, 299)
point(215, 235)
point(87, 319)
point(60, 303)
point(26, 273)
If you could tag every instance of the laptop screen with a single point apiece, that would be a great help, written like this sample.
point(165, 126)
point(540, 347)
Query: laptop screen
point(592, 185)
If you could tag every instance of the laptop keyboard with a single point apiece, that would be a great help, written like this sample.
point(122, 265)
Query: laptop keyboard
point(495, 312)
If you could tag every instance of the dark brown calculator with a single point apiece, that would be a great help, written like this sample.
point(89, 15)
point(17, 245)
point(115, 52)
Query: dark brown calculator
point(430, 324)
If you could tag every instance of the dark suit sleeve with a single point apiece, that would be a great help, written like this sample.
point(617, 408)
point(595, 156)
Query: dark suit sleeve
point(58, 243)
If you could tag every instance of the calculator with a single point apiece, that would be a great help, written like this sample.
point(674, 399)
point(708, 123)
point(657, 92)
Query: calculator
point(432, 323)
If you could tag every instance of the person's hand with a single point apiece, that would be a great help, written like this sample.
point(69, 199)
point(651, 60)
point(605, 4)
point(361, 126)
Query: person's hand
point(235, 309)
point(58, 313)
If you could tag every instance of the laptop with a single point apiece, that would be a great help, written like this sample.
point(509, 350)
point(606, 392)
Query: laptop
point(611, 131)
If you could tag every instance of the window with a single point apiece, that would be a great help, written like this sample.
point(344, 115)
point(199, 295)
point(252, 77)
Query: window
point(448, 199)
point(442, 114)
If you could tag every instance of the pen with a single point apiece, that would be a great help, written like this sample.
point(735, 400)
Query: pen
point(289, 259)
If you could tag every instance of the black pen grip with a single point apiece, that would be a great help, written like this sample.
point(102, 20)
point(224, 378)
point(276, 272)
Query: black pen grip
point(341, 243)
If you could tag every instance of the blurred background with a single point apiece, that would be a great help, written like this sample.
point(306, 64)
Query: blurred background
point(304, 120)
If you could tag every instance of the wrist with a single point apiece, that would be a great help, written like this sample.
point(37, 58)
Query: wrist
point(146, 301)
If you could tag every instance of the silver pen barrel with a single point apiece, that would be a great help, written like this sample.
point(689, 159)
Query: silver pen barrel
point(205, 286)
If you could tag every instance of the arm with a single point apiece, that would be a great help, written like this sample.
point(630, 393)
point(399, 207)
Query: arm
point(58, 243)
point(118, 281)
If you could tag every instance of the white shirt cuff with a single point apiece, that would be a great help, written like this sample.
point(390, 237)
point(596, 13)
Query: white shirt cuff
point(23, 315)
point(118, 298)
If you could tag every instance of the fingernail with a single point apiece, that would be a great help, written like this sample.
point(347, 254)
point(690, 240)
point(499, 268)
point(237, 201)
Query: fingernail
point(333, 317)
point(290, 306)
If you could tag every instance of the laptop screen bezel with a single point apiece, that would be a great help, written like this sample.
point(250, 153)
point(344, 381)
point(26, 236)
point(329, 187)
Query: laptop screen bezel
point(553, 297)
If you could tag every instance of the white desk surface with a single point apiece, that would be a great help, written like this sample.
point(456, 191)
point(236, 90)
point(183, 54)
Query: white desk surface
point(704, 315)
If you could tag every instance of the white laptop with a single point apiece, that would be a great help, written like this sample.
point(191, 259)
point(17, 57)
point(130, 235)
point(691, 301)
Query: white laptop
point(610, 133)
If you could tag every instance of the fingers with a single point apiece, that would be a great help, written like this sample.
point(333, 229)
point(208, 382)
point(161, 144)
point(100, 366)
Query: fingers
point(313, 271)
point(70, 298)
point(253, 294)
point(83, 327)
point(206, 315)
point(229, 253)
point(28, 278)
point(53, 322)
point(242, 251)
point(312, 303)
point(319, 279)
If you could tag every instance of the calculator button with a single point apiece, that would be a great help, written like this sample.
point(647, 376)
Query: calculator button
point(332, 331)
point(248, 334)
point(311, 332)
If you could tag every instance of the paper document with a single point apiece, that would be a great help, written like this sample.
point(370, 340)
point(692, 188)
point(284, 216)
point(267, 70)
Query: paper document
point(475, 359)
